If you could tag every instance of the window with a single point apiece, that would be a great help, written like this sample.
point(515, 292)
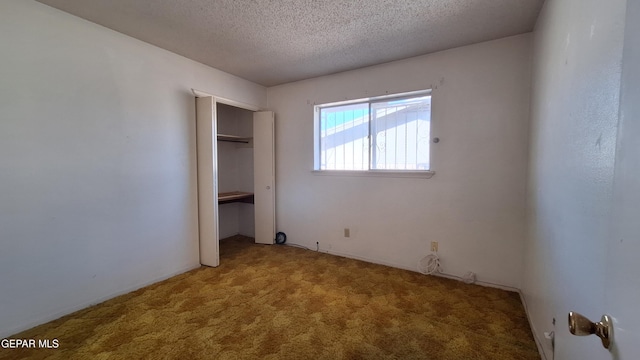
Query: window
point(384, 134)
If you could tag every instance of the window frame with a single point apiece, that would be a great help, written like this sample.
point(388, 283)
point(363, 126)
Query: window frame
point(370, 172)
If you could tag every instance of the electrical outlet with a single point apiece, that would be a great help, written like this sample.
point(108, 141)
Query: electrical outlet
point(434, 246)
point(347, 232)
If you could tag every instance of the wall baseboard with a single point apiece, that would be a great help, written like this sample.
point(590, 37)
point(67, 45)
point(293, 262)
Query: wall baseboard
point(543, 355)
point(415, 269)
point(77, 307)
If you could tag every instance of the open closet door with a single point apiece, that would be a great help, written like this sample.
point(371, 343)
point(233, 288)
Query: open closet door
point(207, 181)
point(264, 176)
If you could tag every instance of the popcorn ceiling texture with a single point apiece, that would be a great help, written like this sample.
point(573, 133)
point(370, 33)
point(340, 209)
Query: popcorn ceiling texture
point(271, 42)
point(281, 302)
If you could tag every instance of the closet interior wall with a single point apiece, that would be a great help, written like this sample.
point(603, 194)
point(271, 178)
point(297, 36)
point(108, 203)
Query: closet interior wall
point(235, 170)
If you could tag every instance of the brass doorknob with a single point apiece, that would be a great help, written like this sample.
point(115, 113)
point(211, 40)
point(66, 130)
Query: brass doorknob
point(579, 325)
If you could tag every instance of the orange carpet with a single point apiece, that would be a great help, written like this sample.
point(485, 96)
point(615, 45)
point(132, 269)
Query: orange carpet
point(281, 302)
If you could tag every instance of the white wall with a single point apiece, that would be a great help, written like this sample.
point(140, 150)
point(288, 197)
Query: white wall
point(474, 205)
point(574, 113)
point(97, 162)
point(623, 283)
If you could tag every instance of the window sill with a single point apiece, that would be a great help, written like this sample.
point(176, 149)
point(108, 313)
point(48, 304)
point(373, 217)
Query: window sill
point(377, 173)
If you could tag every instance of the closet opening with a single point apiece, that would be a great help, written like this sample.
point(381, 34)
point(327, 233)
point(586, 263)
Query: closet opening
point(236, 173)
point(236, 209)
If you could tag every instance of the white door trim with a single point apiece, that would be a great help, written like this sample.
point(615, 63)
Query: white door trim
point(222, 100)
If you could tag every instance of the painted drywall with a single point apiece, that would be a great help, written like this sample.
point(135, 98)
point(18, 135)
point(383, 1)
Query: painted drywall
point(474, 206)
point(574, 114)
point(97, 159)
point(235, 170)
point(623, 283)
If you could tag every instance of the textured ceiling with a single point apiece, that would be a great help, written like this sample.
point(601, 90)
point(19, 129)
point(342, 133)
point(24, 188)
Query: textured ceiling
point(272, 42)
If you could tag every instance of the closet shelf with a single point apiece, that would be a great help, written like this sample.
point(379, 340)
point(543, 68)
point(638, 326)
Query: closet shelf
point(235, 196)
point(233, 138)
